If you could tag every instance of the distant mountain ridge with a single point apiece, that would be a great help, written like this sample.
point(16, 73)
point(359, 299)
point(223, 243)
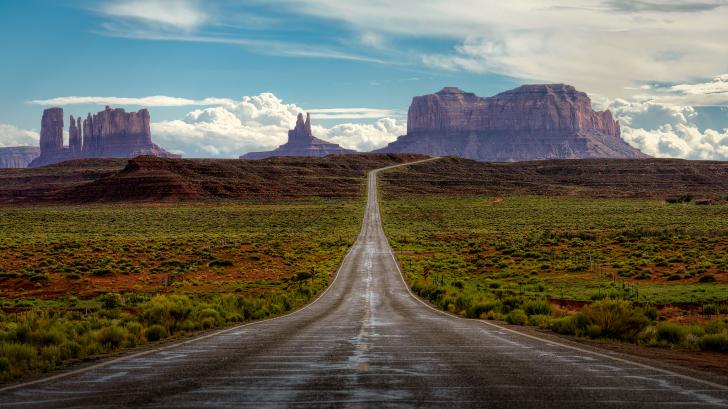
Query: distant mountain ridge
point(18, 156)
point(531, 122)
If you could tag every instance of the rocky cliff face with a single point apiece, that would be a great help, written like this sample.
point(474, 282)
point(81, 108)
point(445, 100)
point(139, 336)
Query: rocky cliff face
point(530, 122)
point(51, 131)
point(18, 156)
point(74, 134)
point(301, 142)
point(118, 133)
point(111, 133)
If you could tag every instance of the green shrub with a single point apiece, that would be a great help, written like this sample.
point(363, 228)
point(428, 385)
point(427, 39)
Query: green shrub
point(208, 323)
point(71, 349)
point(517, 317)
point(156, 332)
point(708, 278)
point(680, 199)
point(111, 300)
point(168, 311)
point(111, 337)
point(47, 336)
point(478, 309)
point(593, 331)
point(709, 309)
point(209, 313)
point(509, 304)
point(616, 318)
point(220, 262)
point(537, 308)
point(102, 272)
point(4, 365)
point(717, 326)
point(564, 325)
point(19, 355)
point(651, 312)
point(596, 296)
point(714, 342)
point(541, 321)
point(671, 333)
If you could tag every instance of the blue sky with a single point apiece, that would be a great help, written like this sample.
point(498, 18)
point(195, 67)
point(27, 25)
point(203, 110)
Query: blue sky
point(659, 66)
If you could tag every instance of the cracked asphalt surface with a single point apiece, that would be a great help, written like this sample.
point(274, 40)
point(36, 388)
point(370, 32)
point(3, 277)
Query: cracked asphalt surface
point(367, 342)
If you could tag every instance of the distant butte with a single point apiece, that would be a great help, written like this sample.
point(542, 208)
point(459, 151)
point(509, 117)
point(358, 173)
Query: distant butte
point(531, 122)
point(301, 142)
point(111, 133)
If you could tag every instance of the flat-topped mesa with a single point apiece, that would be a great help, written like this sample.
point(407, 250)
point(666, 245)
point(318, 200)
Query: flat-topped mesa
point(552, 107)
point(301, 142)
point(111, 133)
point(544, 121)
point(526, 108)
point(118, 133)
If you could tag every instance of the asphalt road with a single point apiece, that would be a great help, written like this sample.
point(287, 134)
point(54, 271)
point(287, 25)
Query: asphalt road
point(367, 342)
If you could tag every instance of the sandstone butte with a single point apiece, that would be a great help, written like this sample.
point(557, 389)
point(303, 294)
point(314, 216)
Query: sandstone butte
point(111, 133)
point(301, 142)
point(531, 122)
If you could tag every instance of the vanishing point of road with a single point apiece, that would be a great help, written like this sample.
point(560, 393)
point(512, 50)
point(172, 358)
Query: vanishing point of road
point(368, 342)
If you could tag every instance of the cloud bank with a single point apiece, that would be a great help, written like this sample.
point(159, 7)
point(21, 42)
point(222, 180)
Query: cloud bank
point(597, 45)
point(262, 122)
point(671, 131)
point(13, 136)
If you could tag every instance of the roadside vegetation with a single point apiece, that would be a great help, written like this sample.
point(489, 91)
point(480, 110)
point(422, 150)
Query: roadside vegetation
point(635, 270)
point(78, 282)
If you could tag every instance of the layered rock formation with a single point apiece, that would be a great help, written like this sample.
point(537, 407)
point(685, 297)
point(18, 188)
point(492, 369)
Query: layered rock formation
point(18, 156)
point(74, 133)
point(301, 142)
point(530, 122)
point(51, 131)
point(111, 133)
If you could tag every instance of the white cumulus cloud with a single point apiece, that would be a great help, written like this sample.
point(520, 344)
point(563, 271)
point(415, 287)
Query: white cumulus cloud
point(261, 122)
point(665, 130)
point(13, 136)
point(364, 137)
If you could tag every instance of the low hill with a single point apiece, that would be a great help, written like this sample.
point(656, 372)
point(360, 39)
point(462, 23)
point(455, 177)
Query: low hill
point(627, 178)
point(38, 184)
point(166, 179)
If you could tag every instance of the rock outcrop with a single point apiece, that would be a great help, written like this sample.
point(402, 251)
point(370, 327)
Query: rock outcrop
point(528, 123)
point(74, 136)
point(51, 131)
point(18, 156)
point(301, 142)
point(111, 133)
